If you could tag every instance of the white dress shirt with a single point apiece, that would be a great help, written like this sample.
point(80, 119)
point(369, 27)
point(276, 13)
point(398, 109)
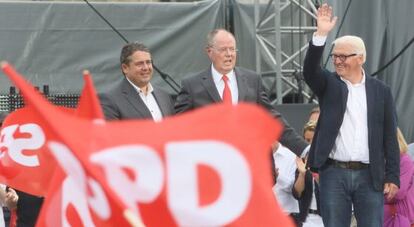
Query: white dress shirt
point(149, 101)
point(285, 161)
point(351, 144)
point(232, 82)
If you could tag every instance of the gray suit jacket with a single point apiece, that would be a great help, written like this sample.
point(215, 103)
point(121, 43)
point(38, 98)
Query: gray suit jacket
point(123, 102)
point(199, 90)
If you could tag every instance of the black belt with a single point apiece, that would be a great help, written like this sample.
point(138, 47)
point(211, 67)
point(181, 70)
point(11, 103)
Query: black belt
point(347, 165)
point(311, 211)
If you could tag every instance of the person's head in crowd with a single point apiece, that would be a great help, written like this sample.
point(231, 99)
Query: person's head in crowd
point(348, 56)
point(314, 114)
point(136, 64)
point(401, 142)
point(309, 131)
point(221, 49)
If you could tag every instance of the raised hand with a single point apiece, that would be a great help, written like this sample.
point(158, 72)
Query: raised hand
point(325, 20)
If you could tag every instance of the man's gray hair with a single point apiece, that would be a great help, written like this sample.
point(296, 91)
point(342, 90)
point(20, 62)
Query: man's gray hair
point(211, 35)
point(356, 42)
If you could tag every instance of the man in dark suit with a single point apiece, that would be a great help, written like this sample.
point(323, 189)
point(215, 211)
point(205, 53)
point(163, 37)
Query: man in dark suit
point(134, 97)
point(354, 147)
point(225, 82)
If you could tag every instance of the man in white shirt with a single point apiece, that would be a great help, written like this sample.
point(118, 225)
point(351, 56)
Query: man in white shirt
point(286, 165)
point(134, 97)
point(355, 148)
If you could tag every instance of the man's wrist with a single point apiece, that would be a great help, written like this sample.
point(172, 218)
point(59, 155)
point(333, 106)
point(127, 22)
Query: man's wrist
point(320, 33)
point(318, 40)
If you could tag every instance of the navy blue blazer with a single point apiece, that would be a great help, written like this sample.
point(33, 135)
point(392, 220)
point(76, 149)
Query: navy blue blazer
point(332, 92)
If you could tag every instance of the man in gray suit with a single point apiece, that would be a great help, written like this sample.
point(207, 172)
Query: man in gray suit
point(225, 82)
point(134, 97)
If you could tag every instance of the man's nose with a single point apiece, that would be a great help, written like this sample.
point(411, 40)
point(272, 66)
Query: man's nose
point(146, 65)
point(336, 60)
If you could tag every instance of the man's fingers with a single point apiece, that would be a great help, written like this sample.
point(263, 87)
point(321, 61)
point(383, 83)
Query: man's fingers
point(390, 190)
point(386, 189)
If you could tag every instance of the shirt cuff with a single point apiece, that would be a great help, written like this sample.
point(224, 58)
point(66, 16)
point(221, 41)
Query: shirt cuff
point(318, 40)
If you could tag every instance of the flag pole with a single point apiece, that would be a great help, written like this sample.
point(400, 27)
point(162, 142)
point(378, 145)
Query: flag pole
point(133, 219)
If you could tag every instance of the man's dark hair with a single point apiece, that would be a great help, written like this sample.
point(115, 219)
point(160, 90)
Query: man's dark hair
point(129, 49)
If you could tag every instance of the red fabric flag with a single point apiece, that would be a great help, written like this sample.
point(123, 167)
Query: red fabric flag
point(25, 163)
point(209, 167)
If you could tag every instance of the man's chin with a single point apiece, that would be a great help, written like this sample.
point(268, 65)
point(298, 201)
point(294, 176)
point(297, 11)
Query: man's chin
point(229, 68)
point(339, 72)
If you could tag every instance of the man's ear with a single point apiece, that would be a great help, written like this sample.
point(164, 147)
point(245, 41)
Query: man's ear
point(124, 67)
point(361, 59)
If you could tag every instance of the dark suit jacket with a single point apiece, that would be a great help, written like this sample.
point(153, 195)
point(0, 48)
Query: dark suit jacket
point(28, 209)
point(122, 101)
point(332, 93)
point(199, 90)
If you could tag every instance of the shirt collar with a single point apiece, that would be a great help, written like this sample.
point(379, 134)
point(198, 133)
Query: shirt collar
point(358, 84)
point(139, 90)
point(217, 76)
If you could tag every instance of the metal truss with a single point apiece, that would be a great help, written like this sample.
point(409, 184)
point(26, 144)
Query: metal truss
point(282, 34)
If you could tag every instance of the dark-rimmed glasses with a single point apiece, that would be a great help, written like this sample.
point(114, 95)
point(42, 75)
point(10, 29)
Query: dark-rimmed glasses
point(341, 57)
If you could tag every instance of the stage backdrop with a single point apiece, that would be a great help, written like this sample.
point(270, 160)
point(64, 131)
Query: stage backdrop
point(52, 42)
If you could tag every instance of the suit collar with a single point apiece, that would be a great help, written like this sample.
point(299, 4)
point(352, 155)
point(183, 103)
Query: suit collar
point(217, 77)
point(208, 83)
point(163, 103)
point(132, 96)
point(370, 92)
point(344, 93)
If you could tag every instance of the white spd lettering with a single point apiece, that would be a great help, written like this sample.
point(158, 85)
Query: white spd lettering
point(182, 159)
point(74, 189)
point(183, 193)
point(180, 181)
point(16, 146)
point(144, 163)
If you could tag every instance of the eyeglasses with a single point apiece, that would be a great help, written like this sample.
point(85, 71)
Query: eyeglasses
point(225, 49)
point(342, 57)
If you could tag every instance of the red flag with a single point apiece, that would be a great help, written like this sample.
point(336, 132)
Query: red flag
point(88, 106)
point(105, 210)
point(25, 163)
point(209, 167)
